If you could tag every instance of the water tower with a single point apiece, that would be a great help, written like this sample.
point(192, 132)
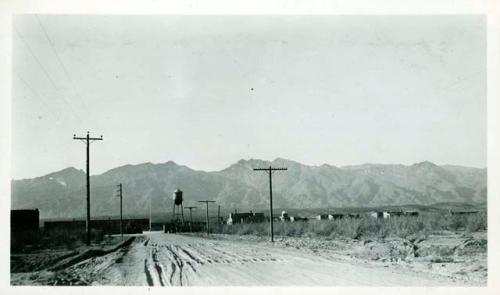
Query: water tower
point(178, 211)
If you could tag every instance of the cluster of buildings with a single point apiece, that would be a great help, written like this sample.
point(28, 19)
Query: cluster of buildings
point(251, 217)
point(25, 224)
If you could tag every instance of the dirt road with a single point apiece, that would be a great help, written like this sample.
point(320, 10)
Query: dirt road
point(176, 260)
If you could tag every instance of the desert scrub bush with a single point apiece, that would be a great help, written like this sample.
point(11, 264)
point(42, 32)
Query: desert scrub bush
point(406, 226)
point(457, 222)
point(322, 228)
point(377, 228)
point(292, 229)
point(477, 222)
point(366, 227)
point(347, 227)
point(434, 221)
point(257, 229)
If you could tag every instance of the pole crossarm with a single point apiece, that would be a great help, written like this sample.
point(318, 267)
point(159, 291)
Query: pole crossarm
point(85, 138)
point(270, 171)
point(270, 168)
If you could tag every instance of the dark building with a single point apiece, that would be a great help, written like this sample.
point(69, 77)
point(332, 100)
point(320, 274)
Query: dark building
point(63, 226)
point(334, 216)
point(174, 227)
point(395, 213)
point(403, 213)
point(24, 228)
point(298, 218)
point(410, 213)
point(107, 226)
point(463, 212)
point(245, 218)
point(130, 226)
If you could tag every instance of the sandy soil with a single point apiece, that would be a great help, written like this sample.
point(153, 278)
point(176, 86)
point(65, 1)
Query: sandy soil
point(458, 257)
point(159, 259)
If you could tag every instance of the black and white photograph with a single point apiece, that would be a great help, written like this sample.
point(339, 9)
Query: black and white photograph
point(263, 150)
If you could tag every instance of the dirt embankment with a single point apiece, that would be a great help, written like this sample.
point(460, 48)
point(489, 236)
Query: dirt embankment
point(46, 267)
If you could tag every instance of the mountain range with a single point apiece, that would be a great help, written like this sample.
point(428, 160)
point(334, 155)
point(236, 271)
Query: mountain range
point(62, 194)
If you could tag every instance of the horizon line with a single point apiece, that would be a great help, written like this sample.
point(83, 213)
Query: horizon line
point(254, 159)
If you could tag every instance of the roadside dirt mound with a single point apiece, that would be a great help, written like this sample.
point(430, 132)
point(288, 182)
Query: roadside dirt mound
point(38, 261)
point(56, 267)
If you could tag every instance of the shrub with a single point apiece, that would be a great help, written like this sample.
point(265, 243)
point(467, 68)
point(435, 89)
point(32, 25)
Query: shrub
point(477, 222)
point(366, 227)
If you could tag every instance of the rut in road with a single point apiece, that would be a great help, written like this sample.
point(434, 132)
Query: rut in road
point(178, 260)
point(173, 265)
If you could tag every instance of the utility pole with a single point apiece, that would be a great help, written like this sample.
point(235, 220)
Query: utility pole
point(208, 221)
point(218, 214)
point(191, 218)
point(88, 140)
point(182, 215)
point(270, 171)
point(120, 194)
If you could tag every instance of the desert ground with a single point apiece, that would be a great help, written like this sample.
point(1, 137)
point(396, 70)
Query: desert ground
point(160, 259)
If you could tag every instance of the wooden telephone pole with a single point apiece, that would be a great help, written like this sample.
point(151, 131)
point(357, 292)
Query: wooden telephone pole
point(191, 218)
point(120, 194)
point(270, 171)
point(208, 221)
point(88, 140)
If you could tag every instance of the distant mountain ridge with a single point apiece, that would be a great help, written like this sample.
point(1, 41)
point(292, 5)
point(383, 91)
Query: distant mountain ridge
point(62, 194)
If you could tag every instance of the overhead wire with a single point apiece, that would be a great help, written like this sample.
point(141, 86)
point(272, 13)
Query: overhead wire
point(40, 97)
point(59, 60)
point(20, 36)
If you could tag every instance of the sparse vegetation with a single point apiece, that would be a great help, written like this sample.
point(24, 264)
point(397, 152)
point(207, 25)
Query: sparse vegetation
point(367, 227)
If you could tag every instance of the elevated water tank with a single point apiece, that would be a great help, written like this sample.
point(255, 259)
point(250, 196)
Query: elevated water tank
point(177, 197)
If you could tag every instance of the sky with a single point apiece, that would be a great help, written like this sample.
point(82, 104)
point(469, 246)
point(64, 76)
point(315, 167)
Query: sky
point(207, 91)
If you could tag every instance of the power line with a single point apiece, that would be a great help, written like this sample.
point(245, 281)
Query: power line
point(41, 98)
point(73, 84)
point(45, 71)
point(270, 171)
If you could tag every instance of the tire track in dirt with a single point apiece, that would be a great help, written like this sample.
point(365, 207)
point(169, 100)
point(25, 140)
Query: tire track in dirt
point(178, 261)
point(156, 272)
point(218, 255)
point(158, 266)
point(149, 278)
point(204, 255)
point(171, 278)
point(189, 259)
point(190, 255)
point(174, 263)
